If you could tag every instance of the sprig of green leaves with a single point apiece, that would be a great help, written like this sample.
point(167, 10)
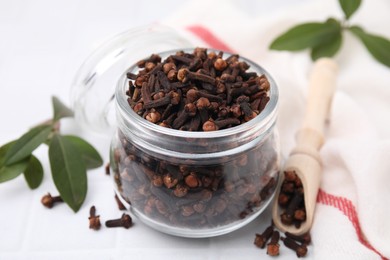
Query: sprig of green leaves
point(325, 39)
point(70, 157)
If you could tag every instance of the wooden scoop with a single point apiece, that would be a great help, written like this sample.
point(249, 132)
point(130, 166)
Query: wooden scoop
point(304, 158)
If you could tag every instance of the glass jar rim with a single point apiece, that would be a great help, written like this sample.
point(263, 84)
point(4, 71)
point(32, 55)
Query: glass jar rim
point(261, 121)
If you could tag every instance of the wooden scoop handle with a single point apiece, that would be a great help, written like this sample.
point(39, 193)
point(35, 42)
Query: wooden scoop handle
point(322, 84)
point(304, 158)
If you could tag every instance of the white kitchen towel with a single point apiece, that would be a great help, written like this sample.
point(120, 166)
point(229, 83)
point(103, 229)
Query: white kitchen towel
point(352, 214)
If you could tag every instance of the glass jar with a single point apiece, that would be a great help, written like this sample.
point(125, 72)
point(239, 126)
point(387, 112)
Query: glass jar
point(194, 184)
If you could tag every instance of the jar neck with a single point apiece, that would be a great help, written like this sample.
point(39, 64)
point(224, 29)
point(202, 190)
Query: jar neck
point(195, 145)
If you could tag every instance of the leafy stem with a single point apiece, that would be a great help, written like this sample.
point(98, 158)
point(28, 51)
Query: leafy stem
point(70, 157)
point(324, 39)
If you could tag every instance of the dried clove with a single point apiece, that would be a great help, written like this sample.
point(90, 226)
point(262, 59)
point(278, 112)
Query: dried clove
point(211, 125)
point(304, 239)
point(107, 169)
point(125, 221)
point(48, 201)
point(94, 220)
point(261, 239)
point(119, 203)
point(300, 250)
point(273, 245)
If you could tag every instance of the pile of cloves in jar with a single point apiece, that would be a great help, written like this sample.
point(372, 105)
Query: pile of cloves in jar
point(197, 91)
point(194, 196)
point(296, 243)
point(291, 200)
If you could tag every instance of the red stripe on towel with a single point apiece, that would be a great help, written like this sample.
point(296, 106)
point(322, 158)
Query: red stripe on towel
point(209, 38)
point(344, 205)
point(348, 209)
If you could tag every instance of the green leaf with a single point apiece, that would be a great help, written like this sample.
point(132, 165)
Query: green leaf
point(24, 146)
point(60, 110)
point(378, 46)
point(68, 171)
point(89, 155)
point(9, 172)
point(328, 49)
point(12, 171)
point(306, 35)
point(34, 173)
point(349, 7)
